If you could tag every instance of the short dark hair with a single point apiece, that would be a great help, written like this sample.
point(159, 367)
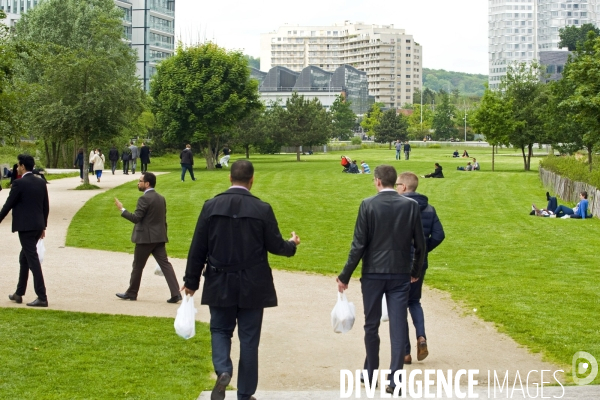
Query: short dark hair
point(387, 174)
point(437, 164)
point(150, 178)
point(27, 161)
point(242, 171)
point(584, 194)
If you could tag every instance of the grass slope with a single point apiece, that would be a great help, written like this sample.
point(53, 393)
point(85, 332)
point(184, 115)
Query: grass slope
point(536, 278)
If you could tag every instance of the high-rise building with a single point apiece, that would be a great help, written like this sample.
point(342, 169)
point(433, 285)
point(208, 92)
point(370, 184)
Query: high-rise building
point(520, 30)
point(148, 26)
point(391, 58)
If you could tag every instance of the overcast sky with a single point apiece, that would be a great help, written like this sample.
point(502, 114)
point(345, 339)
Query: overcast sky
point(453, 33)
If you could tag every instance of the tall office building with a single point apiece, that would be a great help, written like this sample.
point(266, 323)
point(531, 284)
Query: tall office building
point(523, 30)
point(390, 57)
point(148, 25)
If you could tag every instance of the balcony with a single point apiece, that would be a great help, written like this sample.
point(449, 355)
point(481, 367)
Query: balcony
point(160, 7)
point(163, 45)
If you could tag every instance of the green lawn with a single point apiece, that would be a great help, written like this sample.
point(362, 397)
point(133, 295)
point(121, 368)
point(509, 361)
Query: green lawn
point(60, 355)
point(536, 278)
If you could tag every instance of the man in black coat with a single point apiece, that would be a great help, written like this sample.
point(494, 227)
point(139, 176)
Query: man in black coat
point(387, 227)
point(113, 156)
point(126, 157)
point(406, 185)
point(28, 200)
point(144, 157)
point(233, 236)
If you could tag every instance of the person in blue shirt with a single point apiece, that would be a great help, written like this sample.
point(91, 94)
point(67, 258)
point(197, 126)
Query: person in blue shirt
point(579, 211)
point(365, 167)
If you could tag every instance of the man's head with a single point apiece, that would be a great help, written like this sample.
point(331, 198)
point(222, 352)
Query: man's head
point(131, 143)
point(26, 163)
point(147, 181)
point(583, 194)
point(407, 182)
point(242, 173)
point(474, 160)
point(437, 165)
point(385, 177)
point(188, 146)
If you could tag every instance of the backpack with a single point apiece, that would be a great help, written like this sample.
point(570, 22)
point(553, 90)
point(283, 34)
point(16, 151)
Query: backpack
point(345, 161)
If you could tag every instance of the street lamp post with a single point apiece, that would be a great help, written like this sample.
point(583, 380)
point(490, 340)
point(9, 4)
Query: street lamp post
point(465, 122)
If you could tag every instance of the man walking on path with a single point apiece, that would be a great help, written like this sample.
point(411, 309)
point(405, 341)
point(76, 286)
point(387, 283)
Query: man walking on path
point(28, 200)
point(134, 156)
point(387, 227)
point(144, 157)
point(149, 235)
point(398, 150)
point(113, 156)
point(406, 184)
point(187, 162)
point(406, 150)
point(234, 234)
point(126, 157)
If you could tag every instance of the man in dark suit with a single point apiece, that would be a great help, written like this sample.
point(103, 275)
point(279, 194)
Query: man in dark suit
point(144, 157)
point(387, 227)
point(233, 236)
point(28, 200)
point(149, 235)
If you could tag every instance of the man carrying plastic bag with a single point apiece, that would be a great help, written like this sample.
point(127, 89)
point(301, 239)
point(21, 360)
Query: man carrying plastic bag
point(386, 227)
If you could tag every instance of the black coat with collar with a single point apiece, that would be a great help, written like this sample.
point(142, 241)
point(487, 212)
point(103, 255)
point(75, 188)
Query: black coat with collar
point(28, 200)
point(236, 231)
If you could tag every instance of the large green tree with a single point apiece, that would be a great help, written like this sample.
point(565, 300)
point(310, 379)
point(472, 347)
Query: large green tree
point(343, 119)
point(572, 36)
point(371, 120)
point(10, 93)
point(444, 118)
point(251, 131)
point(200, 94)
point(392, 127)
point(417, 128)
point(80, 73)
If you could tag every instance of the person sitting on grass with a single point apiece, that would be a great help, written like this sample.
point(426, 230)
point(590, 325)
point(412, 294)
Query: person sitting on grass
point(476, 166)
point(353, 169)
point(465, 154)
point(455, 154)
point(365, 167)
point(579, 211)
point(435, 174)
point(469, 167)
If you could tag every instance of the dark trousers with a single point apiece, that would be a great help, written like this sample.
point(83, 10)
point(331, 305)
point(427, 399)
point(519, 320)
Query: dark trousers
point(415, 309)
point(396, 292)
point(113, 165)
point(91, 168)
point(81, 172)
point(406, 155)
point(125, 166)
point(133, 165)
point(249, 324)
point(140, 256)
point(144, 167)
point(187, 167)
point(29, 260)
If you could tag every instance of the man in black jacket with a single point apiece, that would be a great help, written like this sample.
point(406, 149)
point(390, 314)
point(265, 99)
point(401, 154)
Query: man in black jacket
point(113, 156)
point(187, 162)
point(126, 157)
point(28, 200)
point(233, 236)
point(406, 185)
point(387, 227)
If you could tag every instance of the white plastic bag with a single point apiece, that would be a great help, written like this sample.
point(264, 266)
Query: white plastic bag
point(384, 313)
point(158, 271)
point(185, 321)
point(41, 250)
point(342, 315)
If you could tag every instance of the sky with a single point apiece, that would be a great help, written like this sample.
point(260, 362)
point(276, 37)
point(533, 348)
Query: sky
point(453, 33)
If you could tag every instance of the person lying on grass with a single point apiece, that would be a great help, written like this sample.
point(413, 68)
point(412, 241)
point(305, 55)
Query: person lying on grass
point(579, 211)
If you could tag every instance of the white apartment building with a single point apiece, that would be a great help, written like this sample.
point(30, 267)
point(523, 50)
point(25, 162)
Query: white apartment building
point(148, 26)
point(519, 30)
point(390, 57)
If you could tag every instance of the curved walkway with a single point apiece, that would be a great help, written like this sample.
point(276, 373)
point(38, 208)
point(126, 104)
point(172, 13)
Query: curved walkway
point(299, 350)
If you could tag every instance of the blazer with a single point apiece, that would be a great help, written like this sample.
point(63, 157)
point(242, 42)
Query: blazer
point(28, 200)
point(145, 154)
point(134, 152)
point(233, 236)
point(150, 219)
point(387, 230)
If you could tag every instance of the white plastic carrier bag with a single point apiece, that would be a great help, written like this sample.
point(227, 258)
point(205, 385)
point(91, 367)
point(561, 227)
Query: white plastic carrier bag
point(342, 315)
point(158, 271)
point(384, 313)
point(185, 321)
point(41, 250)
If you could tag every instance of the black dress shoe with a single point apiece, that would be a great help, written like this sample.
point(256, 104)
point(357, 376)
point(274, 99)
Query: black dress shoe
point(175, 299)
point(218, 392)
point(16, 298)
point(38, 303)
point(125, 296)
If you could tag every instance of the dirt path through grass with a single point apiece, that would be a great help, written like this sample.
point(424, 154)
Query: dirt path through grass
point(299, 350)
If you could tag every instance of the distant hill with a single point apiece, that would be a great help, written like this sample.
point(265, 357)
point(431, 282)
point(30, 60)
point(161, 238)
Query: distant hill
point(467, 84)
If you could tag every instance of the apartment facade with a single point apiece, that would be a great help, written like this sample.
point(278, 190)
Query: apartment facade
point(390, 57)
point(519, 31)
point(148, 27)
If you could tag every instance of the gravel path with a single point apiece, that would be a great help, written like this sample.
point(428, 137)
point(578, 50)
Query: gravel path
point(299, 350)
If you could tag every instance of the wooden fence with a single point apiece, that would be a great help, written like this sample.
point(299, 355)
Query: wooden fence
point(567, 190)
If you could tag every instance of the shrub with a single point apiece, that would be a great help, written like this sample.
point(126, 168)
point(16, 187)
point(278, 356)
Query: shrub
point(356, 140)
point(434, 146)
point(570, 167)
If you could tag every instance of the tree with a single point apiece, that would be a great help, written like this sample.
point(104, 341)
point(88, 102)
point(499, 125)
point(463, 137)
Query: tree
point(200, 94)
point(391, 127)
point(416, 129)
point(343, 119)
point(443, 118)
point(80, 73)
point(303, 122)
point(573, 37)
point(250, 131)
point(494, 119)
point(371, 120)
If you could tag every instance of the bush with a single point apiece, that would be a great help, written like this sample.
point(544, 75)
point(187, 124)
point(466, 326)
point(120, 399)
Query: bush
point(434, 146)
point(356, 140)
point(570, 167)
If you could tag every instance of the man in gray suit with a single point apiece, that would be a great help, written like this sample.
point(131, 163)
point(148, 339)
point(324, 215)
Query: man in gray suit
point(149, 236)
point(134, 156)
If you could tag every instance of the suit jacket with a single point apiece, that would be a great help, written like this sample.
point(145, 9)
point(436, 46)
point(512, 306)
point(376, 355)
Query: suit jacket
point(234, 234)
point(388, 228)
point(150, 219)
point(28, 200)
point(134, 152)
point(145, 154)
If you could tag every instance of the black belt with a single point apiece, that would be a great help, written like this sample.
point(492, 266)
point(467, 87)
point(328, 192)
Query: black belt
point(218, 266)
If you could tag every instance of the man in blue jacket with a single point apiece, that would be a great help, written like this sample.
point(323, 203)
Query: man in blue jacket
point(406, 184)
